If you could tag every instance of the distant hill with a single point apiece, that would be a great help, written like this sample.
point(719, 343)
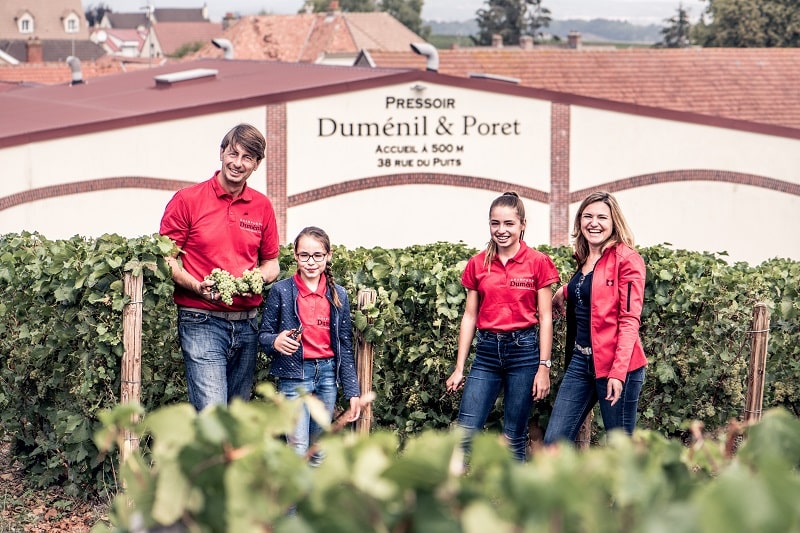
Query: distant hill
point(591, 30)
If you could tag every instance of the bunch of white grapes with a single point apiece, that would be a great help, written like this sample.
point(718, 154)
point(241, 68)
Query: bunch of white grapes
point(228, 285)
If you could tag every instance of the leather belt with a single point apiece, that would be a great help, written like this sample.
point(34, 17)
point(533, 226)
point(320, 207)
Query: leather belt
point(227, 315)
point(585, 350)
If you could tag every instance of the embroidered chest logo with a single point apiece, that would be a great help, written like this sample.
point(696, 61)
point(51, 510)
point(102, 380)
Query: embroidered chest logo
point(325, 322)
point(522, 283)
point(251, 225)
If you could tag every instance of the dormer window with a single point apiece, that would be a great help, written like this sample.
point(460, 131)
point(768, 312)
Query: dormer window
point(72, 23)
point(25, 23)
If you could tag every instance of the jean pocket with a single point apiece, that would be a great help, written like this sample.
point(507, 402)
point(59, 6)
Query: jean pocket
point(192, 317)
point(527, 338)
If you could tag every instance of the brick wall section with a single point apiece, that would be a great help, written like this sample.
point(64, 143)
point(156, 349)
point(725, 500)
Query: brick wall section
point(66, 189)
point(422, 178)
point(275, 163)
point(559, 174)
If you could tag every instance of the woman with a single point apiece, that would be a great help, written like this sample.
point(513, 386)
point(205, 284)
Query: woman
point(605, 360)
point(509, 302)
point(306, 327)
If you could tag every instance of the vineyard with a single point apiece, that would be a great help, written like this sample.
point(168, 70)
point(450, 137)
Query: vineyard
point(61, 344)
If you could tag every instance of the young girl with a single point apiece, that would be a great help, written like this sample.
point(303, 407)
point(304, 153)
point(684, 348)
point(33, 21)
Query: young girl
point(320, 357)
point(508, 296)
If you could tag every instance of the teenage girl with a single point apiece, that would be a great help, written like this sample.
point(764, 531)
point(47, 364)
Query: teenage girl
point(320, 357)
point(508, 309)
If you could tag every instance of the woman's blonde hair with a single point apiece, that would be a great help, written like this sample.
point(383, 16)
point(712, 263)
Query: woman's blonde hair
point(507, 199)
point(620, 231)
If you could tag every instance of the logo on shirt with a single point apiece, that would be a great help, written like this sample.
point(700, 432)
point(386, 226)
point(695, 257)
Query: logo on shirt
point(251, 225)
point(522, 283)
point(325, 322)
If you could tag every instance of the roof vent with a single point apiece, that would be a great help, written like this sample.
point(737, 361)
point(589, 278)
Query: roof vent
point(225, 45)
point(495, 77)
point(168, 80)
point(75, 67)
point(430, 52)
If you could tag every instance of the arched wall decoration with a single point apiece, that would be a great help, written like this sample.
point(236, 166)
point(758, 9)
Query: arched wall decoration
point(79, 187)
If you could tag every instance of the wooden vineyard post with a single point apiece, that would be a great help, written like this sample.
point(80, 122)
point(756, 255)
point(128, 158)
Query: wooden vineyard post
point(584, 438)
point(758, 363)
point(131, 373)
point(364, 357)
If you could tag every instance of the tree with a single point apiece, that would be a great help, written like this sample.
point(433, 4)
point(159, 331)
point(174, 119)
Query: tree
point(510, 19)
point(351, 6)
point(95, 13)
point(749, 23)
point(409, 13)
point(676, 34)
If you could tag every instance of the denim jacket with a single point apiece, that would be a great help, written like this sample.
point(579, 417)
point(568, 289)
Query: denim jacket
point(280, 313)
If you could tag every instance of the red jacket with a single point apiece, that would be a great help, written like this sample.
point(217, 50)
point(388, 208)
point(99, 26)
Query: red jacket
point(617, 297)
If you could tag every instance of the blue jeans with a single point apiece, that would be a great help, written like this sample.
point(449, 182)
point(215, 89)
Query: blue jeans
point(580, 391)
point(319, 379)
point(219, 355)
point(507, 362)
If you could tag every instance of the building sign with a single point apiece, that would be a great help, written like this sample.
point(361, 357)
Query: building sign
point(396, 129)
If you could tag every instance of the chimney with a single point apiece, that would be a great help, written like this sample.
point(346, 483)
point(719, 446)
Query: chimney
point(526, 42)
point(228, 20)
point(35, 52)
point(497, 41)
point(574, 40)
point(205, 11)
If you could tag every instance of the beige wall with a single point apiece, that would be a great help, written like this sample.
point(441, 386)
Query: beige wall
point(521, 155)
point(744, 221)
point(186, 149)
point(605, 147)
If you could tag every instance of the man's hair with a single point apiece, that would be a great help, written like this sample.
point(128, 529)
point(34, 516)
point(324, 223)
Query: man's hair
point(248, 137)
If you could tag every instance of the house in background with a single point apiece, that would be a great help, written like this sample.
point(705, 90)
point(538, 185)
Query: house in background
point(323, 38)
point(156, 32)
point(35, 31)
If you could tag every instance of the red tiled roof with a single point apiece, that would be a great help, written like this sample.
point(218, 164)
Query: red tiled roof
point(760, 85)
point(306, 37)
point(173, 35)
point(56, 73)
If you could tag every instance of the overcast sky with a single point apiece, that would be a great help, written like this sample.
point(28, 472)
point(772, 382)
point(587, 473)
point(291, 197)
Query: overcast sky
point(636, 11)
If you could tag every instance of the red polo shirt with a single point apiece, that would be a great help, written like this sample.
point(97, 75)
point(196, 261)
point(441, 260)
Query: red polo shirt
point(315, 315)
point(215, 230)
point(508, 293)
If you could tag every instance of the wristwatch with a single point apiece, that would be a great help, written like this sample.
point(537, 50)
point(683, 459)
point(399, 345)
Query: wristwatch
point(548, 363)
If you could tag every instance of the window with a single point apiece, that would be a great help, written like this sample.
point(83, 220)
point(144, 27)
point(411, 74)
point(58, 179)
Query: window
point(72, 23)
point(25, 23)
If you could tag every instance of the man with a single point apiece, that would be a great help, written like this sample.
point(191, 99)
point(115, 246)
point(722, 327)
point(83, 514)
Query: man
point(221, 223)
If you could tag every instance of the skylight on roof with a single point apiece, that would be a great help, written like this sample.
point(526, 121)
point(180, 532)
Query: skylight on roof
point(184, 75)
